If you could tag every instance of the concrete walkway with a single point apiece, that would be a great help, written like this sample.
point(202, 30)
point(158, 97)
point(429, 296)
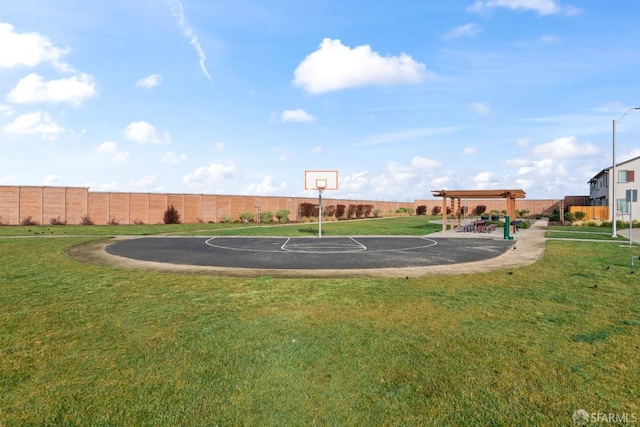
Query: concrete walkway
point(635, 234)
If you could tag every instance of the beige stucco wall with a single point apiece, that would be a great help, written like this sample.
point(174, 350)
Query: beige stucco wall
point(72, 204)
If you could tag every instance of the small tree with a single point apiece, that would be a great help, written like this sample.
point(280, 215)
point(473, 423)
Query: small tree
point(266, 216)
point(246, 217)
point(422, 210)
point(57, 221)
point(480, 209)
point(580, 215)
point(436, 210)
point(86, 220)
point(171, 216)
point(28, 220)
point(283, 215)
point(351, 211)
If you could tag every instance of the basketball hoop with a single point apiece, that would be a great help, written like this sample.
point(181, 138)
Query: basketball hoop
point(320, 180)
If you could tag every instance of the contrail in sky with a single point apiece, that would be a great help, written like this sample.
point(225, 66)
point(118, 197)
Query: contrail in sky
point(177, 10)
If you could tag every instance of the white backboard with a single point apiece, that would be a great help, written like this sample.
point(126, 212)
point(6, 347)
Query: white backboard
point(321, 180)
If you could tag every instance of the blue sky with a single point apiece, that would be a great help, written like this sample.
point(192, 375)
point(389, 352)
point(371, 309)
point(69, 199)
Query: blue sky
point(402, 98)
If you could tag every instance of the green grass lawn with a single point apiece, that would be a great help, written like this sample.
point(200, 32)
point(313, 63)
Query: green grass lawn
point(582, 232)
point(86, 345)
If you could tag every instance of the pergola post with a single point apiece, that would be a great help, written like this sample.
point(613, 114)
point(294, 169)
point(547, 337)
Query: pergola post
point(444, 213)
point(453, 214)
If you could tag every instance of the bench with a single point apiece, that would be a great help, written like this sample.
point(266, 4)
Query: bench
point(490, 228)
point(479, 225)
point(468, 227)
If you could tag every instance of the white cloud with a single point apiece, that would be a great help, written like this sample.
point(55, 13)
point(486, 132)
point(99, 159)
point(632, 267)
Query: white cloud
point(173, 158)
point(150, 81)
point(424, 163)
point(335, 66)
point(177, 10)
point(6, 110)
point(517, 162)
point(409, 135)
point(467, 30)
point(544, 168)
point(109, 186)
point(28, 49)
point(480, 108)
point(485, 180)
point(38, 122)
point(144, 182)
point(33, 89)
point(298, 115)
point(51, 179)
point(108, 147)
point(219, 146)
point(470, 151)
point(264, 187)
point(111, 148)
point(206, 176)
point(145, 133)
point(565, 147)
point(542, 7)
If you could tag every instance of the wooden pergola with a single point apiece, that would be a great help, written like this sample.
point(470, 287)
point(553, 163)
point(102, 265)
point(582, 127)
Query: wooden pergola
point(509, 195)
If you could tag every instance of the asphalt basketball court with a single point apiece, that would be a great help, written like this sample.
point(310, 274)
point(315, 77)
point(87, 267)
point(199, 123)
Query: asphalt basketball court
point(311, 253)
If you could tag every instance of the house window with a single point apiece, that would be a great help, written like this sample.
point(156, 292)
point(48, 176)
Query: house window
point(625, 176)
point(623, 206)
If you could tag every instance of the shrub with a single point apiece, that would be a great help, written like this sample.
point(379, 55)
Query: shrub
point(580, 215)
point(522, 213)
point(367, 210)
point(377, 213)
point(113, 221)
point(57, 221)
point(225, 218)
point(480, 209)
point(329, 210)
point(86, 220)
point(266, 216)
point(422, 210)
point(569, 216)
point(283, 215)
point(340, 210)
point(308, 209)
point(360, 211)
point(351, 211)
point(437, 210)
point(171, 216)
point(246, 217)
point(138, 222)
point(525, 225)
point(28, 220)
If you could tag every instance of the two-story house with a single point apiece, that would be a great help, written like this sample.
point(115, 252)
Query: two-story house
point(600, 192)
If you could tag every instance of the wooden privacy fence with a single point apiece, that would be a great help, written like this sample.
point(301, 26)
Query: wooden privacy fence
point(592, 212)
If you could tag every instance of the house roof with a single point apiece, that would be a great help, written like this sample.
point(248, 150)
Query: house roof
point(606, 170)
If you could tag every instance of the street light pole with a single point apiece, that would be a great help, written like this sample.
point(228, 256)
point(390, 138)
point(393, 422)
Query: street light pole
point(613, 178)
